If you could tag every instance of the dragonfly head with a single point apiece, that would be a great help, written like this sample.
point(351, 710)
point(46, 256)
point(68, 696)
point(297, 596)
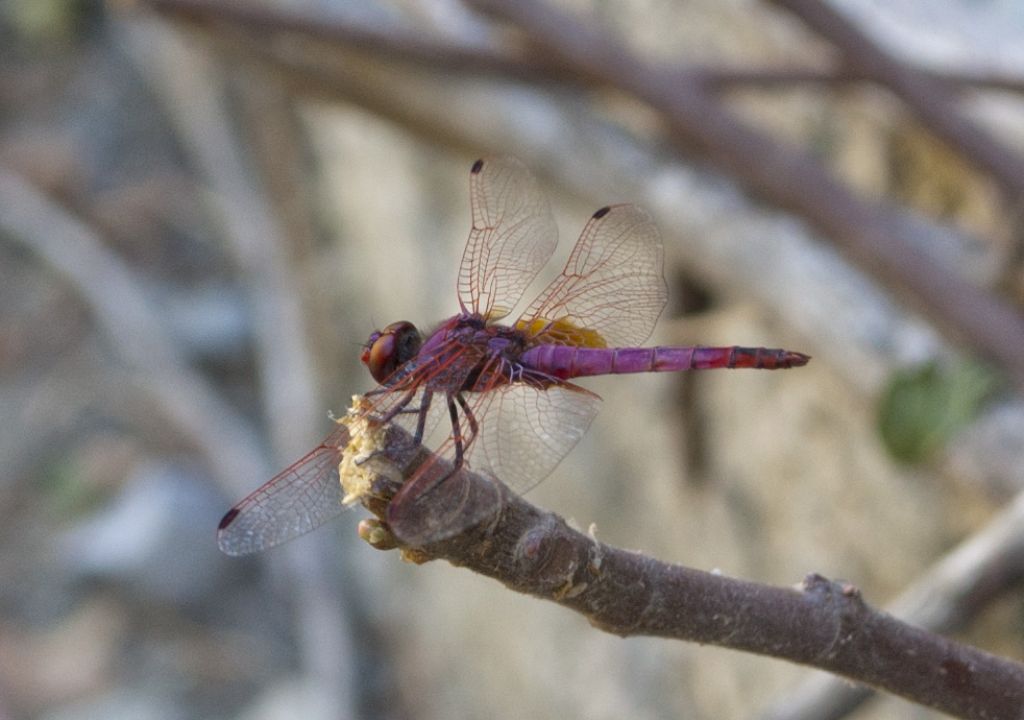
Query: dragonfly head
point(390, 348)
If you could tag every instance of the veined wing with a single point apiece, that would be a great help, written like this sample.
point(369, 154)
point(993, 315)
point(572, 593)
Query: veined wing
point(512, 237)
point(530, 429)
point(612, 284)
point(298, 499)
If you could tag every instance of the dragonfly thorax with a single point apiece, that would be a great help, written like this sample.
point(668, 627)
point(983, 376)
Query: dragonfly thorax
point(505, 342)
point(473, 330)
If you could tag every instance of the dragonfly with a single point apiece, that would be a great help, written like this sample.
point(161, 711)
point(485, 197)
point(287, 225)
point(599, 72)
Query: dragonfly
point(496, 397)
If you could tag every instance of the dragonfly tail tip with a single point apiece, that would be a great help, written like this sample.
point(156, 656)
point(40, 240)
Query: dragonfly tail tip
point(796, 359)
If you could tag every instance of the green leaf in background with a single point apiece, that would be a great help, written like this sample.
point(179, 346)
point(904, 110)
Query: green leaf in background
point(925, 406)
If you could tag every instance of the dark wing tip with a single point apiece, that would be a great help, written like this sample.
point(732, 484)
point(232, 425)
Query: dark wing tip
point(602, 212)
point(229, 517)
point(477, 166)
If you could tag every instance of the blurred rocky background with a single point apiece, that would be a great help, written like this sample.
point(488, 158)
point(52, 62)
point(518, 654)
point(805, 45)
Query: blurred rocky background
point(206, 206)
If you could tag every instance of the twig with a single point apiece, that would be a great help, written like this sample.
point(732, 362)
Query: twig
point(421, 50)
point(874, 235)
point(446, 54)
point(823, 624)
point(720, 78)
point(943, 600)
point(927, 97)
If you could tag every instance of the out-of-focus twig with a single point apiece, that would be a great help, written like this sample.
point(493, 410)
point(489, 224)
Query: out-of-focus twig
point(453, 55)
point(774, 78)
point(823, 624)
point(441, 54)
point(77, 383)
point(927, 97)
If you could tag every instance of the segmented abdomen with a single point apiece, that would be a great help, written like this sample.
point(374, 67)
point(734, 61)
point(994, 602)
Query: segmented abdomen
point(565, 361)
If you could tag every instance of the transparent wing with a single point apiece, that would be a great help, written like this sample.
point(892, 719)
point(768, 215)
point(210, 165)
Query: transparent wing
point(512, 237)
point(612, 283)
point(293, 502)
point(529, 430)
point(523, 433)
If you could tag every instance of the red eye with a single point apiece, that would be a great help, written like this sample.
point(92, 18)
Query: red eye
point(389, 349)
point(367, 346)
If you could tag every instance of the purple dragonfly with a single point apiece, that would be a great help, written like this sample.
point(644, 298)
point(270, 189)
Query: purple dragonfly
point(501, 392)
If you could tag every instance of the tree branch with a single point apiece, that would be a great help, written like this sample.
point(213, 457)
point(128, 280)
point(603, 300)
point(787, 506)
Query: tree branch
point(822, 624)
point(422, 50)
point(722, 78)
point(447, 54)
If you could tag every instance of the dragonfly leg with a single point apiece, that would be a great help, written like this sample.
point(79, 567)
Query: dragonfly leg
point(421, 422)
point(421, 410)
point(453, 413)
point(470, 417)
point(399, 407)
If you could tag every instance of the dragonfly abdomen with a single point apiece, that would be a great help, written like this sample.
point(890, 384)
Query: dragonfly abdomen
point(566, 361)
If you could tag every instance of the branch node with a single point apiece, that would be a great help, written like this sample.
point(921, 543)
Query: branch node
point(546, 554)
point(844, 602)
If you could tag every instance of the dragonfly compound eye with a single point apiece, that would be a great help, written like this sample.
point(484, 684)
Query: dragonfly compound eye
point(391, 348)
